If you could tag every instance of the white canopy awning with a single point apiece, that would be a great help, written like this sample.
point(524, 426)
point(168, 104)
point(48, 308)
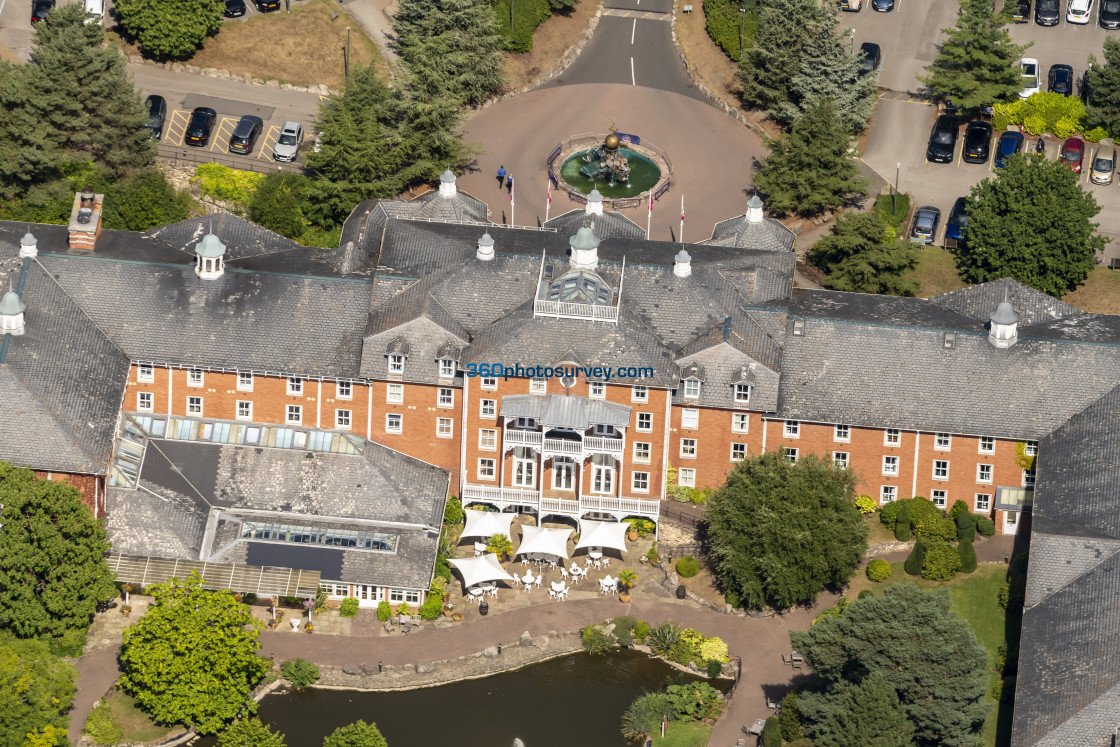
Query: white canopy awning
point(483, 568)
point(544, 540)
point(487, 523)
point(610, 534)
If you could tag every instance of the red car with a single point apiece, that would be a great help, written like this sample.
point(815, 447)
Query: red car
point(1073, 153)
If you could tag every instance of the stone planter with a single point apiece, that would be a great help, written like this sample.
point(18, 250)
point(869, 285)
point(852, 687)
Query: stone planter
point(632, 536)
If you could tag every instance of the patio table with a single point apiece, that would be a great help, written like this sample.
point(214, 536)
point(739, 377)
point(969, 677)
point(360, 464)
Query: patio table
point(757, 727)
point(595, 553)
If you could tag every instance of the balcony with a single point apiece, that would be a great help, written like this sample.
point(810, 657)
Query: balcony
point(567, 310)
point(629, 506)
point(500, 496)
point(600, 444)
point(563, 447)
point(522, 438)
point(560, 506)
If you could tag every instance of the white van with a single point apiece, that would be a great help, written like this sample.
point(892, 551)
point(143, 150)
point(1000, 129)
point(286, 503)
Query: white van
point(95, 9)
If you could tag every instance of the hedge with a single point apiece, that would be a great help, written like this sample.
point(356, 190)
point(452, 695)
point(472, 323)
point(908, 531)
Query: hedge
point(1043, 112)
point(724, 22)
point(432, 607)
point(223, 183)
point(941, 561)
point(527, 15)
point(878, 570)
point(688, 566)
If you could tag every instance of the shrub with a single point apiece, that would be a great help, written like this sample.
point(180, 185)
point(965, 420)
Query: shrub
point(941, 562)
point(302, 674)
point(772, 733)
point(680, 652)
point(101, 727)
point(641, 631)
point(663, 637)
point(1004, 595)
point(1096, 134)
point(915, 559)
point(384, 611)
point(644, 715)
point(693, 640)
point(277, 203)
point(931, 529)
point(866, 505)
point(432, 607)
point(730, 29)
point(224, 183)
point(69, 645)
point(595, 639)
point(967, 554)
point(865, 594)
point(1042, 112)
point(984, 525)
point(889, 512)
point(885, 206)
point(624, 630)
point(732, 597)
point(349, 607)
point(878, 570)
point(966, 527)
point(902, 525)
point(957, 509)
point(694, 701)
point(500, 545)
point(688, 566)
point(921, 508)
point(1004, 690)
point(715, 668)
point(453, 512)
point(403, 608)
point(789, 718)
point(644, 527)
point(713, 649)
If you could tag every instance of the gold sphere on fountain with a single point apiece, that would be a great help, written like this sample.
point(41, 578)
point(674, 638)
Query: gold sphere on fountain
point(612, 142)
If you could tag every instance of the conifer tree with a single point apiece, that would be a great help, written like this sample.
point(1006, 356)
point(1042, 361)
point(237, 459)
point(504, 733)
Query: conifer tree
point(773, 60)
point(1104, 82)
point(861, 256)
point(867, 714)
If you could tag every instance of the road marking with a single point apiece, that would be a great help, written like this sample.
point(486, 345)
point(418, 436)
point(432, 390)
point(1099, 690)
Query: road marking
point(632, 72)
point(267, 147)
point(632, 30)
point(223, 133)
point(960, 157)
point(177, 127)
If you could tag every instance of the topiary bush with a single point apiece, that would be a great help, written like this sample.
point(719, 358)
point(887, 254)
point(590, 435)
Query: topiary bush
point(349, 607)
point(966, 527)
point(866, 505)
point(878, 570)
point(941, 562)
point(915, 559)
point(921, 508)
point(931, 529)
point(789, 718)
point(984, 525)
point(772, 733)
point(641, 631)
point(967, 554)
point(688, 566)
point(889, 512)
point(302, 674)
point(957, 509)
point(902, 525)
point(715, 668)
point(384, 611)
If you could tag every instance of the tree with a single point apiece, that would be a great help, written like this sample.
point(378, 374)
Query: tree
point(357, 734)
point(277, 203)
point(52, 570)
point(967, 555)
point(1031, 222)
point(82, 95)
point(35, 692)
point(810, 170)
point(978, 63)
point(191, 658)
point(1104, 82)
point(29, 153)
point(250, 732)
point(902, 524)
point(828, 70)
point(144, 201)
point(170, 30)
point(773, 60)
point(781, 532)
point(928, 655)
point(864, 714)
point(915, 559)
point(860, 255)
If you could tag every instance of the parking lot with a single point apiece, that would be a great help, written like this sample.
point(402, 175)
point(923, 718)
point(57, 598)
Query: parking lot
point(900, 128)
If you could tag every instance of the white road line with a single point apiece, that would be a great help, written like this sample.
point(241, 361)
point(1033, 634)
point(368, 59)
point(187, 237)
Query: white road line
point(632, 72)
point(633, 29)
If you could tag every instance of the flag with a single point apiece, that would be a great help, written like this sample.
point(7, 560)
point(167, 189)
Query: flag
point(651, 200)
point(511, 188)
point(682, 208)
point(549, 191)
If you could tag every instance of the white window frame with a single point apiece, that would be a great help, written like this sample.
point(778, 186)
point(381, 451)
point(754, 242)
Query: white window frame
point(141, 397)
point(196, 377)
point(445, 427)
point(942, 441)
point(293, 414)
point(396, 363)
point(145, 373)
point(686, 477)
point(526, 422)
point(564, 467)
point(538, 385)
point(692, 388)
point(606, 431)
point(842, 459)
point(245, 405)
point(688, 448)
point(792, 429)
point(888, 493)
point(244, 381)
point(487, 439)
point(195, 407)
point(690, 418)
point(487, 469)
point(1030, 448)
point(445, 397)
point(647, 417)
point(344, 389)
point(1029, 478)
point(892, 437)
point(990, 441)
point(524, 472)
point(394, 423)
point(791, 454)
point(890, 466)
point(343, 419)
point(738, 452)
point(602, 479)
point(488, 409)
point(740, 422)
point(398, 398)
point(743, 394)
point(980, 478)
point(987, 501)
point(397, 596)
point(295, 386)
point(639, 448)
point(596, 390)
point(639, 393)
point(446, 368)
point(938, 469)
point(939, 495)
point(842, 434)
point(639, 482)
point(489, 383)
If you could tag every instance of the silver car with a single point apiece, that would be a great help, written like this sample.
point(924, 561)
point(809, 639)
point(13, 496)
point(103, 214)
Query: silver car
point(1104, 163)
point(287, 145)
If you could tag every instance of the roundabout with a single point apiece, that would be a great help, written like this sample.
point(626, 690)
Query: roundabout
point(622, 169)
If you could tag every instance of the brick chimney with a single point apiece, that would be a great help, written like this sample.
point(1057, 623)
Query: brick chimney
point(85, 220)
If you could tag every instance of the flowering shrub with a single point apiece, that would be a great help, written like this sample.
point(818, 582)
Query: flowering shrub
point(866, 504)
point(713, 649)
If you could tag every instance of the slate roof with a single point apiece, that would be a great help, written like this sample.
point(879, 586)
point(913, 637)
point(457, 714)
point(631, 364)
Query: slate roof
point(978, 302)
point(564, 411)
point(193, 495)
point(611, 224)
point(769, 235)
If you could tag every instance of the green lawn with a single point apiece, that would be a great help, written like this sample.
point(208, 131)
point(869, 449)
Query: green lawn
point(877, 531)
point(134, 723)
point(937, 272)
point(683, 735)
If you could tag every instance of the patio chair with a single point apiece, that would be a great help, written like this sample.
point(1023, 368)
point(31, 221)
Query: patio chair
point(786, 659)
point(606, 561)
point(539, 581)
point(406, 624)
point(797, 663)
point(563, 573)
point(551, 593)
point(771, 705)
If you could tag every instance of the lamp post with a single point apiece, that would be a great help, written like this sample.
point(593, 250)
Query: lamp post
point(742, 19)
point(346, 59)
point(894, 196)
point(853, 38)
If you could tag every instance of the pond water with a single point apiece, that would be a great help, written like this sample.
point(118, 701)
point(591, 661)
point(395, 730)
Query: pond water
point(644, 175)
point(574, 700)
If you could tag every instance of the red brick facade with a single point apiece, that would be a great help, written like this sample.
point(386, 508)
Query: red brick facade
point(91, 487)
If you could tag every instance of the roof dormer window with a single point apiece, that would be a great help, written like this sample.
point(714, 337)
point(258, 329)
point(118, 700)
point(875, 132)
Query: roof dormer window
point(692, 389)
point(742, 394)
point(446, 368)
point(396, 363)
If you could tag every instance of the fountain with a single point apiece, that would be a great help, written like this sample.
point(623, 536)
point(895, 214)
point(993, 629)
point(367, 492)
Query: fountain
point(617, 166)
point(606, 162)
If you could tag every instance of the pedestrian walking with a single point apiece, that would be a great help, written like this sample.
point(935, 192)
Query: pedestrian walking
point(501, 176)
point(509, 183)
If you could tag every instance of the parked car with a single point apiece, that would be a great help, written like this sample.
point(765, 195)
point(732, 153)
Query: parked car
point(1073, 153)
point(883, 6)
point(95, 9)
point(1022, 11)
point(1060, 79)
point(1028, 69)
point(925, 225)
point(854, 6)
point(199, 127)
point(235, 8)
point(1010, 143)
point(264, 6)
point(157, 110)
point(942, 140)
point(870, 57)
point(245, 135)
point(287, 145)
point(977, 142)
point(1110, 14)
point(958, 220)
point(1104, 163)
point(40, 9)
point(1079, 11)
point(1048, 12)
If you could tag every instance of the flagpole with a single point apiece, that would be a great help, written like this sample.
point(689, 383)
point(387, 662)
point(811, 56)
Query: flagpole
point(682, 219)
point(512, 206)
point(649, 218)
point(549, 203)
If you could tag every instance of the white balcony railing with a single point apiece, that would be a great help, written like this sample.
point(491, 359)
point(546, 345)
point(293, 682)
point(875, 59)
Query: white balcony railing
point(608, 445)
point(492, 494)
point(560, 505)
point(563, 446)
point(567, 310)
point(639, 506)
point(522, 438)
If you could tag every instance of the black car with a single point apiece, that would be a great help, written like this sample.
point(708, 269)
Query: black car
point(870, 56)
point(977, 142)
point(958, 220)
point(40, 9)
point(157, 110)
point(1110, 14)
point(883, 6)
point(1060, 79)
point(1022, 11)
point(265, 6)
point(245, 135)
point(235, 8)
point(198, 129)
point(1048, 12)
point(942, 140)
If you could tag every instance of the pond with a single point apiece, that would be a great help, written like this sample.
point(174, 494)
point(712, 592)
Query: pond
point(576, 699)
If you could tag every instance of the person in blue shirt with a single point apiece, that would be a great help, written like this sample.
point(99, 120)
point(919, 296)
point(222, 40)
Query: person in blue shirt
point(501, 176)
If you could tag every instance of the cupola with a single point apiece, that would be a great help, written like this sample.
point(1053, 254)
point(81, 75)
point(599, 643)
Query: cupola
point(682, 264)
point(11, 314)
point(447, 184)
point(754, 210)
point(1003, 331)
point(28, 246)
point(210, 260)
point(585, 249)
point(485, 247)
point(594, 203)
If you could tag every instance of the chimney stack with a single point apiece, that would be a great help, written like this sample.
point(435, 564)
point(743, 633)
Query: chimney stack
point(85, 219)
point(594, 203)
point(485, 248)
point(682, 265)
point(447, 184)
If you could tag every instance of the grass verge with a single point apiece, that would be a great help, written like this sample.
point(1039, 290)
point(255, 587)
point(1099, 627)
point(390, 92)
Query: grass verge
point(937, 272)
point(683, 735)
point(1100, 293)
point(127, 721)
